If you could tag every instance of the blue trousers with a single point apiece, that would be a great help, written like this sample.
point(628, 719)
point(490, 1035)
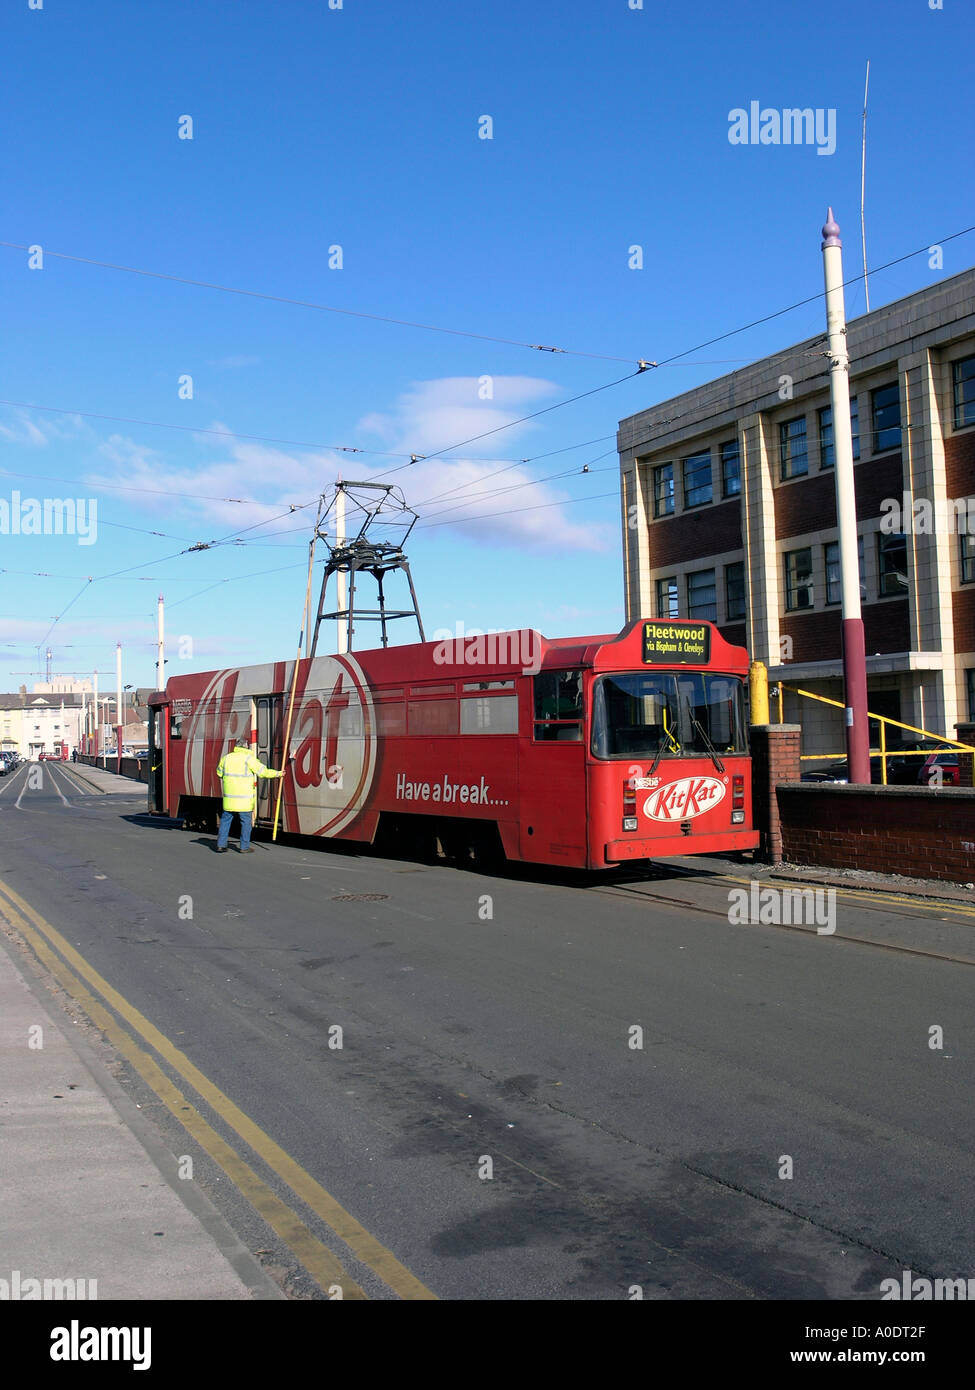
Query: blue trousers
point(223, 834)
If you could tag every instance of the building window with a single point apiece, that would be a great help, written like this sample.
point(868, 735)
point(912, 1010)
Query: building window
point(970, 681)
point(892, 564)
point(886, 407)
point(827, 457)
point(963, 377)
point(702, 597)
point(793, 449)
point(967, 559)
point(663, 490)
point(831, 558)
point(798, 579)
point(734, 590)
point(730, 469)
point(697, 479)
point(667, 597)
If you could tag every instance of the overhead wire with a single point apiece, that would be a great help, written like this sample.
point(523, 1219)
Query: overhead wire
point(311, 304)
point(643, 366)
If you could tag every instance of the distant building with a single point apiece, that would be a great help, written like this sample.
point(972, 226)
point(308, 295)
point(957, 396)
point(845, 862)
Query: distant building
point(63, 685)
point(729, 512)
point(47, 722)
point(34, 724)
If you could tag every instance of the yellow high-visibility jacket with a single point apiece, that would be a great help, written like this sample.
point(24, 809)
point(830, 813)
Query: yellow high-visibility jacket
point(238, 772)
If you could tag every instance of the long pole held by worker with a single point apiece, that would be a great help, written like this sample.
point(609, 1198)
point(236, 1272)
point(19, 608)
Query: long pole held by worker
point(294, 687)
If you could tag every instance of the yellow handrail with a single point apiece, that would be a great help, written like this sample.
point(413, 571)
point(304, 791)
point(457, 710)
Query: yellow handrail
point(883, 720)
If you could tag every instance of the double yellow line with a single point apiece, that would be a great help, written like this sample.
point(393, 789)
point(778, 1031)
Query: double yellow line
point(867, 896)
point(75, 975)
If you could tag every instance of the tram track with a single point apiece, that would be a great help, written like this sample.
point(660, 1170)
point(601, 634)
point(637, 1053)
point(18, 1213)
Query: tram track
point(961, 914)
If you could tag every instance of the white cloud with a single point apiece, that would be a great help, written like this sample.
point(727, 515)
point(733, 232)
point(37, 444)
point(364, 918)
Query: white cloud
point(466, 491)
point(37, 434)
point(480, 498)
point(270, 478)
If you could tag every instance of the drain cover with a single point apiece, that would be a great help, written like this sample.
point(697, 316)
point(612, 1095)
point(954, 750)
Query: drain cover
point(360, 898)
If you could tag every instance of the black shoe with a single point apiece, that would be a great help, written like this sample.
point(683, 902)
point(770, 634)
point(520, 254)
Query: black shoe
point(221, 849)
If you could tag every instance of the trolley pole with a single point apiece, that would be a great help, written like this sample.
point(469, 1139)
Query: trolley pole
point(160, 656)
point(854, 650)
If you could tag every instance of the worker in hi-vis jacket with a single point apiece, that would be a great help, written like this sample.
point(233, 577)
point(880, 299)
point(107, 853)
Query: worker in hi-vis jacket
point(238, 772)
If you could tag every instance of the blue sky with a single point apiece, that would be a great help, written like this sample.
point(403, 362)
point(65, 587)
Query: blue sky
point(358, 127)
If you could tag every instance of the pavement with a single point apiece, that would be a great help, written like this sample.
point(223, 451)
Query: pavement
point(99, 780)
point(91, 1193)
point(88, 1191)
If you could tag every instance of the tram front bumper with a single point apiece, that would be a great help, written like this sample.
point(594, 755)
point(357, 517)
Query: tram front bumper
point(664, 846)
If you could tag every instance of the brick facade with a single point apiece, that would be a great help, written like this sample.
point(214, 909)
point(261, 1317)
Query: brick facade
point(818, 636)
point(960, 465)
point(918, 613)
point(697, 534)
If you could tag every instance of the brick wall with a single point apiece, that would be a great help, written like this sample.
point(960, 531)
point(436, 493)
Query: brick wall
point(916, 831)
point(810, 504)
point(960, 464)
point(695, 535)
point(887, 626)
point(817, 636)
point(963, 618)
point(775, 758)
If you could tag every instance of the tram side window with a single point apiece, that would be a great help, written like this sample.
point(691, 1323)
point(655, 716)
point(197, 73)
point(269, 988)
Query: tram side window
point(558, 706)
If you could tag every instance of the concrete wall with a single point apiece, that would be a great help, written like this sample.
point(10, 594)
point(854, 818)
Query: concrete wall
point(136, 768)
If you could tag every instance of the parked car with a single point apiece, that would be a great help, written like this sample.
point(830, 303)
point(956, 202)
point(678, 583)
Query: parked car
point(943, 764)
point(901, 771)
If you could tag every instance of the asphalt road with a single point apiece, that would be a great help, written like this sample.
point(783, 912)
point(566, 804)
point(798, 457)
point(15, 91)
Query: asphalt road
point(488, 1121)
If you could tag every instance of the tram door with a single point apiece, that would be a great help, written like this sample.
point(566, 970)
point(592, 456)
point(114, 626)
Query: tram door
point(269, 735)
point(157, 759)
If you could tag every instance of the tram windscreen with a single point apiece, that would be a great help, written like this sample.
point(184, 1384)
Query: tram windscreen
point(670, 714)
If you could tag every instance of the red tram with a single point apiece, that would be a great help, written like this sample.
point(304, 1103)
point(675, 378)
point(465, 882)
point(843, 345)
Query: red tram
point(580, 751)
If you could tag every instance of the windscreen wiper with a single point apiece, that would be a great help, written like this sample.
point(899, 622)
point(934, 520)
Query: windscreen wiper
point(666, 737)
point(707, 742)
